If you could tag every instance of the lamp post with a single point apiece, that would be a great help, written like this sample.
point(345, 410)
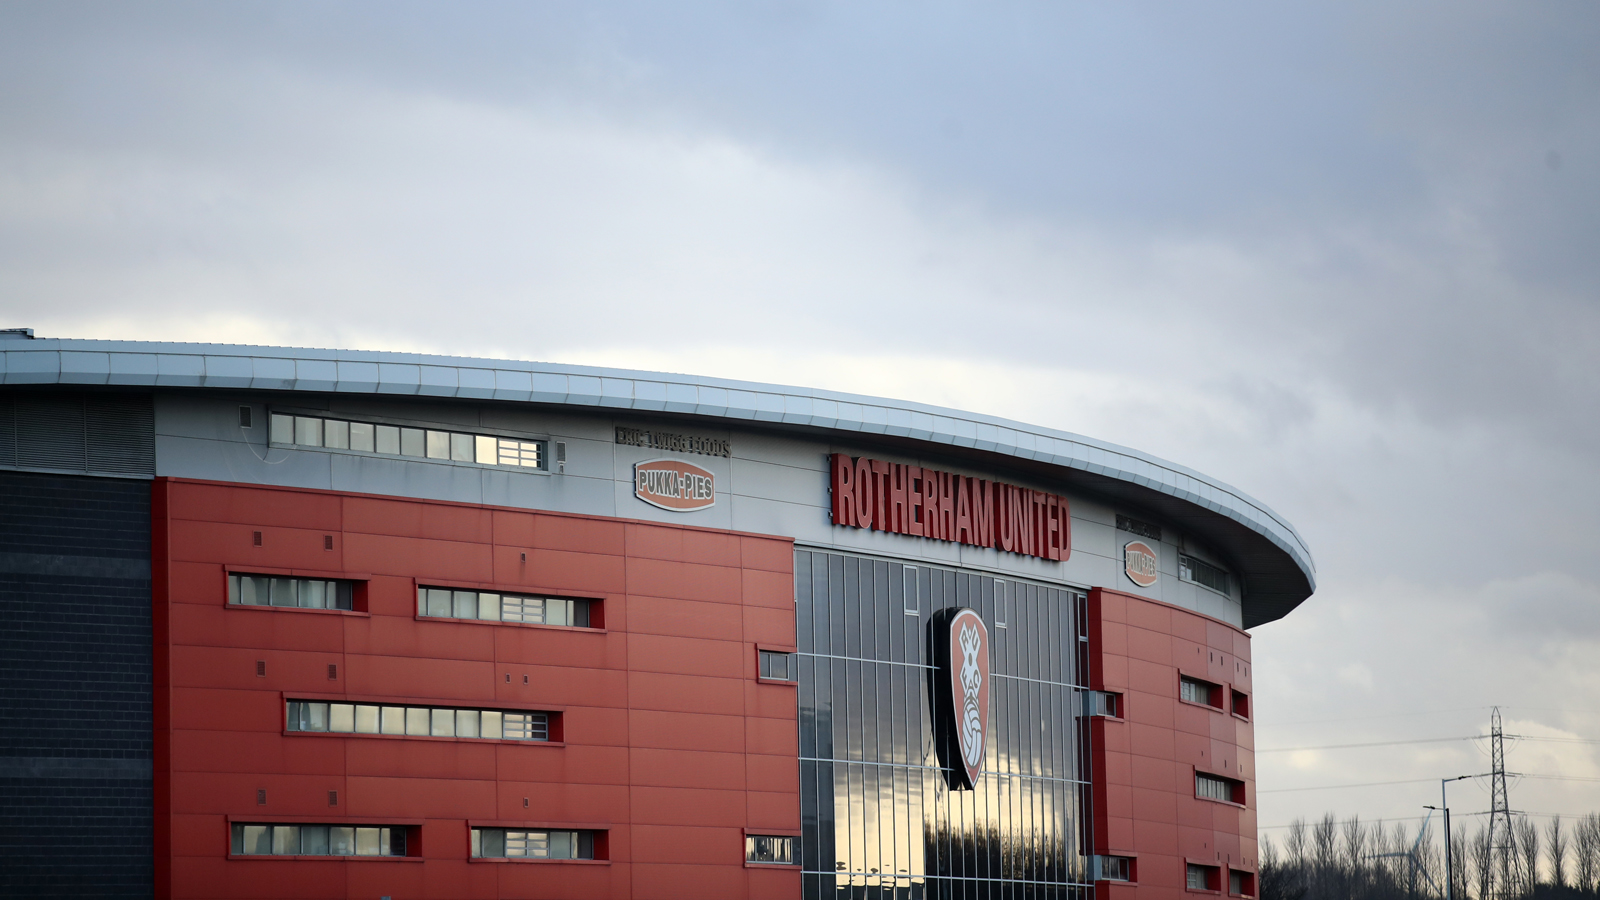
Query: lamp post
point(1444, 805)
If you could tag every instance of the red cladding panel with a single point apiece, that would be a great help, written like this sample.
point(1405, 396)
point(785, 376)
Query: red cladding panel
point(667, 741)
point(1141, 647)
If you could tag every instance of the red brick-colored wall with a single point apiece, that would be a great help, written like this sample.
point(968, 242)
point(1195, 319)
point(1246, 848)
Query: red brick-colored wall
point(1145, 761)
point(670, 744)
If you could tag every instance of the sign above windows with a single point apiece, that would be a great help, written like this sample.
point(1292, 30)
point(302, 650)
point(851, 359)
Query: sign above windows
point(674, 485)
point(1140, 563)
point(943, 506)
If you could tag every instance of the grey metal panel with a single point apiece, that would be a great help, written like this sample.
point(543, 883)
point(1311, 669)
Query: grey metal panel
point(1278, 571)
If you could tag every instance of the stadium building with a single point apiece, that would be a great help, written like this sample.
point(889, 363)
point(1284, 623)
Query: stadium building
point(322, 623)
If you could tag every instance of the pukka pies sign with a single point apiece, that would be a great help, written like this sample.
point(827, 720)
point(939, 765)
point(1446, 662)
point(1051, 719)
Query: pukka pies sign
point(943, 506)
point(674, 485)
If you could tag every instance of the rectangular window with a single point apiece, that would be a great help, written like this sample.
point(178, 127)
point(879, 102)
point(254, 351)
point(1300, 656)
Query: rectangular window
point(911, 596)
point(1210, 787)
point(319, 840)
point(1241, 884)
point(1112, 868)
point(1196, 691)
point(1202, 573)
point(777, 849)
point(393, 440)
point(487, 606)
point(1201, 878)
point(509, 843)
point(300, 593)
point(1241, 704)
point(1102, 703)
point(777, 665)
point(417, 721)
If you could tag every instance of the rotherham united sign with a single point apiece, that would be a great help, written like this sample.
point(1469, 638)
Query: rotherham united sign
point(943, 506)
point(675, 485)
point(961, 650)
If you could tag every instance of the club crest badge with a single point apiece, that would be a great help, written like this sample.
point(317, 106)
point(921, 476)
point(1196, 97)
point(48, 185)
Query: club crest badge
point(961, 647)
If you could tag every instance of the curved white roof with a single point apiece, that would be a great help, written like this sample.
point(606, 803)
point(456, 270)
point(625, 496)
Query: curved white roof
point(1275, 565)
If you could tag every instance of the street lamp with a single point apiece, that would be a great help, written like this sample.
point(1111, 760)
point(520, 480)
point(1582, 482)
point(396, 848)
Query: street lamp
point(1444, 804)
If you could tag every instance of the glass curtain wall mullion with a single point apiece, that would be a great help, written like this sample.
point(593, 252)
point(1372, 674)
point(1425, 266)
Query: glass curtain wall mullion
point(396, 440)
point(898, 827)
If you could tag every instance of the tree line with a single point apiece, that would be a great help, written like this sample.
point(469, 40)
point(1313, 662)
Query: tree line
point(1352, 860)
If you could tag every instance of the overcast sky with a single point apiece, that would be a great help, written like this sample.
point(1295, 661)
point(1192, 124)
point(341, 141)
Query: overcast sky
point(1345, 258)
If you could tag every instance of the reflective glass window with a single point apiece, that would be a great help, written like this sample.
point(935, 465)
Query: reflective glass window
point(387, 438)
point(438, 444)
point(362, 437)
point(412, 442)
point(336, 435)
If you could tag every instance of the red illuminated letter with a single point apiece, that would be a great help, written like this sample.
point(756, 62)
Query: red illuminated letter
point(844, 494)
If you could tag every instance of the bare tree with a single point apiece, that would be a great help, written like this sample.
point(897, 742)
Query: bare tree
point(1556, 852)
point(1525, 836)
point(1458, 865)
point(1482, 856)
point(1586, 849)
point(1325, 857)
point(1354, 863)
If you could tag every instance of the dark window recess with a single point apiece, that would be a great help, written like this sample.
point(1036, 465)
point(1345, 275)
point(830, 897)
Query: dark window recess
point(1241, 884)
point(319, 840)
point(298, 593)
point(1196, 691)
point(487, 606)
point(244, 417)
point(1202, 573)
point(417, 721)
point(327, 542)
point(510, 843)
point(1241, 704)
point(777, 665)
point(1202, 878)
point(1210, 787)
point(771, 848)
point(333, 671)
point(1102, 703)
point(1112, 868)
point(255, 538)
point(261, 668)
point(1142, 529)
point(103, 433)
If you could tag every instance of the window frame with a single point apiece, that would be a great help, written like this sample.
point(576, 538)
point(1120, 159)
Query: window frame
point(597, 605)
point(359, 588)
point(1213, 690)
point(601, 832)
point(1237, 791)
point(555, 718)
point(746, 833)
point(1213, 877)
point(1250, 885)
point(413, 829)
point(1233, 705)
point(794, 660)
point(1098, 872)
point(295, 413)
point(1118, 699)
point(1186, 574)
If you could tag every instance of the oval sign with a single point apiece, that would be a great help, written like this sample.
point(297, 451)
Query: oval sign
point(965, 725)
point(1140, 562)
point(675, 485)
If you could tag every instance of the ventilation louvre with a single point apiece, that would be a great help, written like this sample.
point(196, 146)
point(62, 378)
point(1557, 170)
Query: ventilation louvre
point(102, 433)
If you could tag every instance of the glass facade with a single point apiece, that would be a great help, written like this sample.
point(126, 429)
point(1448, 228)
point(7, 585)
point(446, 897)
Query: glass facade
point(878, 817)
